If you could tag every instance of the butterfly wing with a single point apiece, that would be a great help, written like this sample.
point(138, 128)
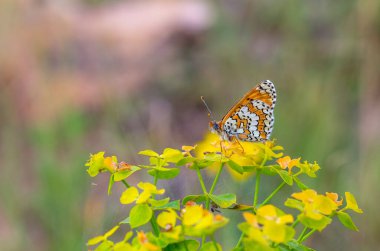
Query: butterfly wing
point(252, 118)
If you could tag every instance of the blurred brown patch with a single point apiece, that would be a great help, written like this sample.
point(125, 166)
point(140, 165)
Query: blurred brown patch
point(63, 56)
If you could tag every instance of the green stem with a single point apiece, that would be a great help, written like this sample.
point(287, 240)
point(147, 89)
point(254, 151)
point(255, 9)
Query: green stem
point(302, 234)
point(203, 239)
point(216, 179)
point(257, 184)
point(213, 241)
point(206, 194)
point(295, 223)
point(256, 195)
point(154, 224)
point(187, 249)
point(155, 178)
point(125, 183)
point(273, 193)
point(239, 241)
point(307, 235)
point(257, 187)
point(201, 181)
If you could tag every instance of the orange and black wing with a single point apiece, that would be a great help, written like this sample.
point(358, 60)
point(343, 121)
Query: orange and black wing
point(252, 118)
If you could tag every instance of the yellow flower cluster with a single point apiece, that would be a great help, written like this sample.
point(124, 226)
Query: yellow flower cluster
point(269, 225)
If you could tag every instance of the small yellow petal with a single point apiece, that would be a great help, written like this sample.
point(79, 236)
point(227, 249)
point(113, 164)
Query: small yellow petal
point(284, 162)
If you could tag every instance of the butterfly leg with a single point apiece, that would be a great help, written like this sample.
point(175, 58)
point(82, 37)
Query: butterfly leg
point(235, 139)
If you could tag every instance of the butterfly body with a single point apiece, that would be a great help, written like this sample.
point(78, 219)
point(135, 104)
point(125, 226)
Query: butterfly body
point(250, 119)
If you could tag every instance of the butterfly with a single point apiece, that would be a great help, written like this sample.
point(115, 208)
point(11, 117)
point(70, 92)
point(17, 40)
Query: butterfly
point(250, 119)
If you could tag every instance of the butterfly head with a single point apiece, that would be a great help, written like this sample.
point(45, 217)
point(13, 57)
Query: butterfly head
point(215, 127)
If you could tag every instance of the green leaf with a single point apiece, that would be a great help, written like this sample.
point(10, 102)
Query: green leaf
point(95, 240)
point(286, 177)
point(270, 170)
point(172, 204)
point(351, 203)
point(314, 224)
point(172, 155)
point(186, 245)
point(211, 246)
point(235, 166)
point(200, 164)
point(346, 220)
point(223, 200)
point(129, 195)
point(244, 227)
point(105, 246)
point(126, 221)
point(128, 235)
point(241, 207)
point(158, 203)
point(149, 153)
point(110, 184)
point(294, 204)
point(196, 198)
point(293, 245)
point(111, 232)
point(121, 175)
point(95, 164)
point(157, 162)
point(164, 173)
point(140, 214)
point(301, 185)
point(215, 157)
point(122, 246)
point(185, 160)
point(248, 169)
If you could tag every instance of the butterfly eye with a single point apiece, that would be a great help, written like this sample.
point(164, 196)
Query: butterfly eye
point(215, 126)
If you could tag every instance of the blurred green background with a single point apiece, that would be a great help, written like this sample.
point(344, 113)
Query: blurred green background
point(83, 76)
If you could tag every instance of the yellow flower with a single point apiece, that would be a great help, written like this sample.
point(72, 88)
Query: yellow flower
point(143, 240)
point(131, 194)
point(111, 163)
point(271, 213)
point(239, 152)
point(197, 220)
point(251, 219)
point(270, 223)
point(334, 197)
point(187, 150)
point(167, 220)
point(315, 205)
point(287, 162)
point(148, 190)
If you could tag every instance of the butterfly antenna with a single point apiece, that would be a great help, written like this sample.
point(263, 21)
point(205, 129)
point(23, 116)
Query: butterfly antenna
point(208, 109)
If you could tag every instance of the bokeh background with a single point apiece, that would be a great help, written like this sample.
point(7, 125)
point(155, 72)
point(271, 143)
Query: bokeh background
point(81, 76)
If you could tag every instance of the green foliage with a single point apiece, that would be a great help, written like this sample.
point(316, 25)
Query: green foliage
point(265, 226)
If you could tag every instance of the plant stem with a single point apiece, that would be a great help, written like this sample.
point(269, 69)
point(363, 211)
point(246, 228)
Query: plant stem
point(216, 179)
point(203, 239)
point(155, 228)
point(201, 181)
point(153, 221)
point(257, 187)
point(187, 249)
point(206, 194)
point(240, 240)
point(125, 183)
point(307, 235)
point(213, 241)
point(257, 184)
point(273, 193)
point(155, 178)
point(295, 223)
point(302, 234)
